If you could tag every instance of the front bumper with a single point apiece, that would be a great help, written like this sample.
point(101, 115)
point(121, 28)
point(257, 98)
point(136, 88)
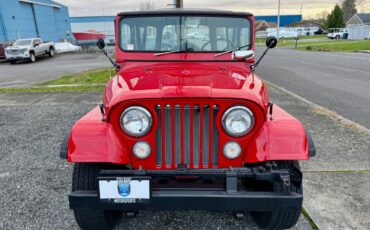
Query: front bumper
point(17, 57)
point(231, 196)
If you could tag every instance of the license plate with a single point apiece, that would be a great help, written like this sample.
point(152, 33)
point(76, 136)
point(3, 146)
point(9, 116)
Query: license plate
point(124, 190)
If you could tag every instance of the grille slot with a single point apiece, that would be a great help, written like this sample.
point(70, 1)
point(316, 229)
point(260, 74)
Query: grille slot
point(187, 134)
point(15, 52)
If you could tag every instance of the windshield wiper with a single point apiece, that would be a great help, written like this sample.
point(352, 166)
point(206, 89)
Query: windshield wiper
point(229, 51)
point(168, 52)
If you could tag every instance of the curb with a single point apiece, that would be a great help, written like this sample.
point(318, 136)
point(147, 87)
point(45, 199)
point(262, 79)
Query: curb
point(71, 85)
point(363, 51)
point(329, 113)
point(309, 218)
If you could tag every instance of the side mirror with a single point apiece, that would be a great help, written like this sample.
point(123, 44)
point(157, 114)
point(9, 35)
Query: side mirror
point(271, 42)
point(243, 54)
point(100, 43)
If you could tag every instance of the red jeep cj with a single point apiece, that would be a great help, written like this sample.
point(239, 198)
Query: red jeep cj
point(186, 124)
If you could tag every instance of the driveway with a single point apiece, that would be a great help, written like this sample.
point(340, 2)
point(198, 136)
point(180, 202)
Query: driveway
point(27, 74)
point(337, 81)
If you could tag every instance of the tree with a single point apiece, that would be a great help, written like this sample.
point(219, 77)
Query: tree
point(147, 5)
point(335, 18)
point(349, 9)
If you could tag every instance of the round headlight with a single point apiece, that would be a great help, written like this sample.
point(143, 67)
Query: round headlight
point(136, 121)
point(142, 150)
point(238, 121)
point(232, 150)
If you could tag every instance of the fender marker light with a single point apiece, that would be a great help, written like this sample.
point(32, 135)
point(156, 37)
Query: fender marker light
point(232, 150)
point(142, 150)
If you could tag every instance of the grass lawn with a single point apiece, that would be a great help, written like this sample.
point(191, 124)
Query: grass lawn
point(100, 76)
point(290, 41)
point(323, 44)
point(88, 77)
point(340, 46)
point(53, 90)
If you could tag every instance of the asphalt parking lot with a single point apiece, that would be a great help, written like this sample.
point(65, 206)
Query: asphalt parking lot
point(34, 182)
point(25, 74)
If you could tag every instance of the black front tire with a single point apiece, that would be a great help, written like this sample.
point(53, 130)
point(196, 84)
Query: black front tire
point(51, 52)
point(32, 57)
point(84, 178)
point(281, 219)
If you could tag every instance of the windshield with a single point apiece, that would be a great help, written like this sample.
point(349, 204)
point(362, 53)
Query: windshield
point(184, 33)
point(23, 42)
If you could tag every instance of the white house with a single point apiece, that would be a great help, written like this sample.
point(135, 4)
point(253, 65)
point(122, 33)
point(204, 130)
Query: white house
point(358, 27)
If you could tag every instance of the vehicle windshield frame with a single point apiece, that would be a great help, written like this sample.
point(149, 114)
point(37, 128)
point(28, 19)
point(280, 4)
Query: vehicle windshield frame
point(123, 17)
point(23, 40)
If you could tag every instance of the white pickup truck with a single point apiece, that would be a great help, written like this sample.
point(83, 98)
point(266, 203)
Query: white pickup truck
point(337, 33)
point(29, 49)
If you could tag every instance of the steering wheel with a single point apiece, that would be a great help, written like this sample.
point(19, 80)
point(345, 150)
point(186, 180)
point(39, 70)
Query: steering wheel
point(229, 43)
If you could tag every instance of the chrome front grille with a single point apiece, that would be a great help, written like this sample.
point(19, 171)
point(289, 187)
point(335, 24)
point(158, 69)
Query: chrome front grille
point(187, 136)
point(15, 52)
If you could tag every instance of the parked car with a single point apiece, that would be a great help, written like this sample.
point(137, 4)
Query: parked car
point(188, 130)
point(2, 49)
point(337, 34)
point(29, 49)
point(321, 31)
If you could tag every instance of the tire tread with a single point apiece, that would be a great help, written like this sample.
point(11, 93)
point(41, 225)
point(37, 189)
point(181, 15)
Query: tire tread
point(280, 219)
point(84, 178)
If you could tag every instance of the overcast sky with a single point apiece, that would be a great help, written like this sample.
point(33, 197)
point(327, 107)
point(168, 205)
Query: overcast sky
point(260, 7)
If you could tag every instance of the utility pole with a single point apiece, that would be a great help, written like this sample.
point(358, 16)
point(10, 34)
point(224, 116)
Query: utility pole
point(278, 21)
point(177, 4)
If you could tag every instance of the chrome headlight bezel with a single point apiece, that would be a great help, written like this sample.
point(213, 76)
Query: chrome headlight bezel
point(147, 115)
point(228, 112)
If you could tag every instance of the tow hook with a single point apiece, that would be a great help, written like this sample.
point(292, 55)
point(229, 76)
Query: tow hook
point(285, 179)
point(296, 175)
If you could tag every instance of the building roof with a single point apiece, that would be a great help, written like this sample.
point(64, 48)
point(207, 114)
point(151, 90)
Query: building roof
point(365, 18)
point(49, 3)
point(185, 11)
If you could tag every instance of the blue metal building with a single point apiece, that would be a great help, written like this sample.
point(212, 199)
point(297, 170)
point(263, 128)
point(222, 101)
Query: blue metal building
point(46, 19)
point(106, 23)
point(284, 19)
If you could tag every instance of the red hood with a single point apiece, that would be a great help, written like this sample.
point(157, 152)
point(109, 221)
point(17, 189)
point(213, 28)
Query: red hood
point(187, 79)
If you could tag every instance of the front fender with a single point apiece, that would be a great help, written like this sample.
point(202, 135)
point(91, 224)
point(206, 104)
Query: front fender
point(282, 138)
point(93, 141)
